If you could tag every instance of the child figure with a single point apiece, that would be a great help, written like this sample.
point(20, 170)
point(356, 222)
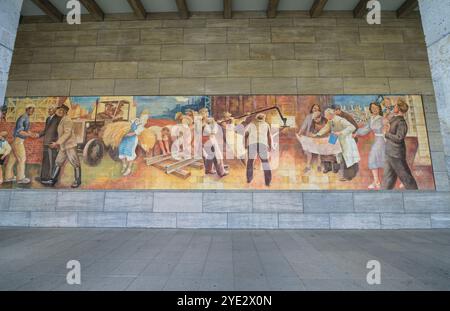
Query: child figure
point(5, 150)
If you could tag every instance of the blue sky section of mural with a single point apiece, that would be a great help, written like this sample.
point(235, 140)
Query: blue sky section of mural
point(160, 107)
point(165, 107)
point(348, 101)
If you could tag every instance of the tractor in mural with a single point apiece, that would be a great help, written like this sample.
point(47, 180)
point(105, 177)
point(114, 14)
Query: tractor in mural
point(89, 132)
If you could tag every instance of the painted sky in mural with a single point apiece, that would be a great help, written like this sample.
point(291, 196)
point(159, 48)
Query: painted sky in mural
point(344, 142)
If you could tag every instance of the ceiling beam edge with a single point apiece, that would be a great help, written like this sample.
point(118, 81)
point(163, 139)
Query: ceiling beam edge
point(49, 9)
point(183, 10)
point(272, 8)
point(407, 8)
point(361, 9)
point(138, 8)
point(227, 9)
point(317, 8)
point(93, 9)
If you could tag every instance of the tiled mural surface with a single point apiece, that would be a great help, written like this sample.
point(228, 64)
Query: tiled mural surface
point(343, 142)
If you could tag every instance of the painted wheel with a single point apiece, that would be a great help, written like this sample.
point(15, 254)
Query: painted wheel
point(93, 152)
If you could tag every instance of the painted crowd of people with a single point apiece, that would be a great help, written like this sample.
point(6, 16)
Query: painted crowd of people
point(219, 138)
point(387, 154)
point(59, 146)
point(248, 139)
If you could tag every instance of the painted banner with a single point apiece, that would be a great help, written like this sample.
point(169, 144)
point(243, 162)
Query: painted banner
point(343, 142)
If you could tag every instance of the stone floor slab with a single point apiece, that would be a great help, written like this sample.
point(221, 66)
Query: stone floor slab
point(261, 260)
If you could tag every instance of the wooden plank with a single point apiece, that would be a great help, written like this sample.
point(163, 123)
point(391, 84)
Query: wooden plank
point(317, 8)
point(227, 9)
point(93, 9)
point(161, 165)
point(177, 172)
point(272, 9)
point(182, 174)
point(157, 159)
point(176, 163)
point(179, 165)
point(197, 164)
point(360, 9)
point(49, 9)
point(183, 10)
point(138, 8)
point(407, 8)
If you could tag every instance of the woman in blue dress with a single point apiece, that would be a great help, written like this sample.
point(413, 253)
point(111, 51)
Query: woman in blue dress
point(127, 147)
point(377, 151)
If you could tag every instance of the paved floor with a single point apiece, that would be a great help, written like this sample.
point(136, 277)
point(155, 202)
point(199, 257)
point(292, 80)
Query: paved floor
point(128, 259)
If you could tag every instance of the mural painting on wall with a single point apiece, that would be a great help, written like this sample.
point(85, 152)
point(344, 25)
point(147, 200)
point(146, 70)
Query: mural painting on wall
point(344, 142)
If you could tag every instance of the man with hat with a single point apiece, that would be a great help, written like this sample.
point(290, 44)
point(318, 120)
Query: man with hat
point(50, 134)
point(212, 149)
point(259, 142)
point(21, 132)
point(5, 150)
point(67, 146)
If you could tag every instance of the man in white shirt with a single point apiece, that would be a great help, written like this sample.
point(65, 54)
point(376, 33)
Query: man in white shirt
point(343, 129)
point(5, 150)
point(259, 143)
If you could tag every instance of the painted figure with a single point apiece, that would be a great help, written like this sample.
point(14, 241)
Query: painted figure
point(128, 144)
point(388, 106)
point(5, 150)
point(346, 116)
point(204, 114)
point(307, 129)
point(50, 134)
point(259, 142)
point(395, 164)
point(377, 151)
point(163, 139)
point(212, 150)
point(21, 133)
point(67, 149)
point(183, 138)
point(327, 161)
point(112, 112)
point(233, 138)
point(343, 129)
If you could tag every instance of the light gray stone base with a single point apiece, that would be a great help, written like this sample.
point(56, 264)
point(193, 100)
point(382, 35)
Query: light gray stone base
point(212, 209)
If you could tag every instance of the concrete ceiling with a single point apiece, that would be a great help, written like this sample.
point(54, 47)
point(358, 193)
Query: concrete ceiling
point(153, 6)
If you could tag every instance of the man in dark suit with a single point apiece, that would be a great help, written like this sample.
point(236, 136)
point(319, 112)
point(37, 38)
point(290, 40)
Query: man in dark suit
point(50, 134)
point(395, 163)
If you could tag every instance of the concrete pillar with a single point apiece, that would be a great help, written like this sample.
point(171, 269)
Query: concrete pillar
point(9, 21)
point(436, 24)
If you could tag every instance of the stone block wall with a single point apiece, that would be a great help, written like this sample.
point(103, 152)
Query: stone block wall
point(437, 25)
point(249, 54)
point(233, 210)
point(9, 21)
point(291, 54)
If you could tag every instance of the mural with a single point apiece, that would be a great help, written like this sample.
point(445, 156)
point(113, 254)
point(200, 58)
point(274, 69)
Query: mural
point(215, 142)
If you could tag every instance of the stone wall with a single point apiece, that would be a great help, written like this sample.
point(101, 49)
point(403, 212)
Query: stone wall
point(215, 209)
point(9, 20)
point(437, 28)
point(249, 54)
point(334, 54)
